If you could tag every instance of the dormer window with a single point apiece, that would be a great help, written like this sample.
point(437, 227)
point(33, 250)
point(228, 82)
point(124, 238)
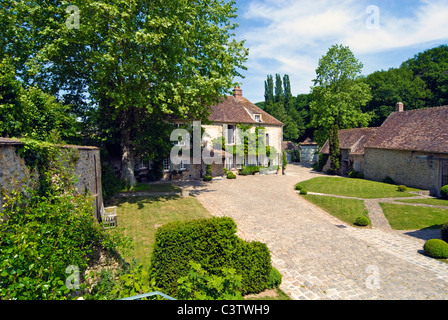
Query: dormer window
point(257, 118)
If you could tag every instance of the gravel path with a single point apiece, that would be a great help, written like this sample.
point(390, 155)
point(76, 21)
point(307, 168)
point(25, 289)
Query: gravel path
point(319, 256)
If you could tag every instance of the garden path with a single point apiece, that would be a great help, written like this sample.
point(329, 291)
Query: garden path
point(319, 256)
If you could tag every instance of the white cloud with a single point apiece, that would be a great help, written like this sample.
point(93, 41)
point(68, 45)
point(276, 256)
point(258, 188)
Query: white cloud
point(293, 34)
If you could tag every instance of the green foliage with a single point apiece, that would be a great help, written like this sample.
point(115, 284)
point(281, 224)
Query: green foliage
point(303, 191)
point(230, 175)
point(298, 186)
point(200, 285)
point(362, 221)
point(402, 188)
point(110, 184)
point(356, 175)
point(436, 248)
point(444, 192)
point(338, 93)
point(207, 178)
point(295, 155)
point(208, 170)
point(335, 150)
point(214, 245)
point(319, 165)
point(444, 232)
point(275, 278)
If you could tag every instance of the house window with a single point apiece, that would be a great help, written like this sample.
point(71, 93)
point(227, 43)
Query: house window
point(166, 164)
point(230, 134)
point(357, 166)
point(258, 118)
point(267, 139)
point(183, 165)
point(229, 163)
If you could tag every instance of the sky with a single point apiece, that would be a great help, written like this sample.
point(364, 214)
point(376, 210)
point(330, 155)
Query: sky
point(290, 36)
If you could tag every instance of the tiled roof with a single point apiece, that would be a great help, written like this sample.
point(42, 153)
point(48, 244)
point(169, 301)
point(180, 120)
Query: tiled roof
point(424, 130)
point(289, 145)
point(308, 142)
point(240, 110)
point(353, 139)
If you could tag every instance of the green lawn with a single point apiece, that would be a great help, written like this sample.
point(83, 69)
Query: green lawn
point(346, 210)
point(141, 215)
point(406, 217)
point(358, 188)
point(435, 202)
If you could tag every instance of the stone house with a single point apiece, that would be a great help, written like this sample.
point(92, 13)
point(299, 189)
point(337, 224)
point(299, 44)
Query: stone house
point(351, 142)
point(87, 169)
point(308, 150)
point(224, 119)
point(411, 147)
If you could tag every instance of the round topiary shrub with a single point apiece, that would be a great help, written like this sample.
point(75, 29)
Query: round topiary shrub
point(207, 178)
point(303, 191)
point(231, 175)
point(298, 187)
point(444, 192)
point(402, 188)
point(436, 248)
point(362, 221)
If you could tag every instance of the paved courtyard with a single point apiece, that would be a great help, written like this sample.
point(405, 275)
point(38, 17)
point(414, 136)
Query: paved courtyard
point(319, 256)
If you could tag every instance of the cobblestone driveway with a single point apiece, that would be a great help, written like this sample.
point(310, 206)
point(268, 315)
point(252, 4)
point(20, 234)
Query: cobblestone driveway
point(318, 258)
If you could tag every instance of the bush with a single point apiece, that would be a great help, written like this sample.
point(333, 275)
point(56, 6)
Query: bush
point(436, 248)
point(402, 188)
point(303, 191)
point(214, 245)
point(444, 192)
point(208, 170)
point(356, 175)
point(208, 178)
point(199, 285)
point(231, 175)
point(245, 171)
point(389, 180)
point(444, 232)
point(362, 221)
point(298, 187)
point(319, 165)
point(275, 278)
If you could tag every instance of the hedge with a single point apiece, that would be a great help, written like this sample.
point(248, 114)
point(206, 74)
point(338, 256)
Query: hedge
point(214, 245)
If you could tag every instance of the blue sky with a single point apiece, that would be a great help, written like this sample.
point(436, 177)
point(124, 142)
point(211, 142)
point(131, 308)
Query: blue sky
point(290, 36)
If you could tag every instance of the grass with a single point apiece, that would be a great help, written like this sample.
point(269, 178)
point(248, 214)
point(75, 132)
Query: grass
point(358, 188)
point(407, 217)
point(140, 217)
point(346, 210)
point(156, 187)
point(435, 202)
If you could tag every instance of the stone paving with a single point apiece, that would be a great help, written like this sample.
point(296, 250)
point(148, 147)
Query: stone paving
point(319, 256)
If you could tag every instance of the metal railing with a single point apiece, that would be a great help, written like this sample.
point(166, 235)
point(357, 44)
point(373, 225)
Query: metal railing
point(150, 294)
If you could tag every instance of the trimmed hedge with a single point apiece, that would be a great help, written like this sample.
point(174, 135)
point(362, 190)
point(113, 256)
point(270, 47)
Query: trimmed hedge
point(230, 175)
point(444, 232)
point(213, 244)
point(362, 221)
point(444, 192)
point(436, 248)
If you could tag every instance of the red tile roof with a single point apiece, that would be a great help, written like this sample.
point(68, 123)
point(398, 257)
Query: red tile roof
point(424, 130)
point(353, 139)
point(239, 110)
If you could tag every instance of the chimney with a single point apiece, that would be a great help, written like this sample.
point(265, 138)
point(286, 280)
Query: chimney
point(237, 93)
point(400, 107)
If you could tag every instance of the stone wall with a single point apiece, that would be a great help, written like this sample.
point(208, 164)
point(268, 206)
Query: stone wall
point(87, 169)
point(404, 167)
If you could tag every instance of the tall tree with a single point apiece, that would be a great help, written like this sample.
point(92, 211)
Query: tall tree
point(279, 95)
point(338, 94)
point(142, 60)
point(432, 67)
point(269, 93)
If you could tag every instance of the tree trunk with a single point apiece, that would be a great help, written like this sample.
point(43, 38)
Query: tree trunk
point(127, 157)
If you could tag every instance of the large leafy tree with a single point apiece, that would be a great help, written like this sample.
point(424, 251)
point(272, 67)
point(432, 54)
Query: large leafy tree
point(138, 62)
point(432, 67)
point(338, 95)
point(392, 86)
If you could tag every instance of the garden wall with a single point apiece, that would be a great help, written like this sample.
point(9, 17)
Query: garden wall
point(87, 169)
point(404, 167)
